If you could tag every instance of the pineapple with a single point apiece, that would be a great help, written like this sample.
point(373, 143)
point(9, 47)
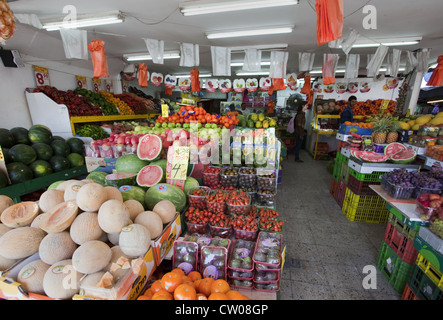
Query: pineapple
point(393, 134)
point(380, 130)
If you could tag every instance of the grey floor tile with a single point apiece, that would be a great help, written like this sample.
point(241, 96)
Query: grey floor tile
point(307, 291)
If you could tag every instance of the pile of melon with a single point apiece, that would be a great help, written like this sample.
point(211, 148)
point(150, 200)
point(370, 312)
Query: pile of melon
point(81, 233)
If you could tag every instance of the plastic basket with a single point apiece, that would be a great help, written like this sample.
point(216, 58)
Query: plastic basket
point(394, 269)
point(185, 256)
point(423, 287)
point(430, 270)
point(361, 187)
point(213, 262)
point(333, 187)
point(222, 232)
point(408, 294)
point(345, 171)
point(370, 177)
point(368, 209)
point(405, 228)
point(340, 193)
point(403, 246)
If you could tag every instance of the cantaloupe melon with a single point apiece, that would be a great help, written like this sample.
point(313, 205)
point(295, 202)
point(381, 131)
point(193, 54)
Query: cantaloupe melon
point(91, 196)
point(134, 207)
point(113, 238)
point(134, 240)
point(166, 210)
point(59, 218)
point(5, 202)
point(113, 193)
point(32, 274)
point(36, 220)
point(72, 189)
point(21, 242)
point(91, 280)
point(152, 221)
point(112, 216)
point(85, 227)
point(61, 280)
point(62, 186)
point(91, 256)
point(20, 214)
point(3, 229)
point(6, 263)
point(50, 198)
point(56, 246)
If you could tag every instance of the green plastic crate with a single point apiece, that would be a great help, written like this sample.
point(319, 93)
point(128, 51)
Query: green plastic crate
point(423, 287)
point(366, 177)
point(395, 270)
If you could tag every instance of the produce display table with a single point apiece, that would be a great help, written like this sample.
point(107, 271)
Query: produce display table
point(15, 191)
point(365, 167)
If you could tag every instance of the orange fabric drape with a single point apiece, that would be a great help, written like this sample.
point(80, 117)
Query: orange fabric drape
point(328, 71)
point(143, 75)
point(98, 57)
point(306, 89)
point(311, 98)
point(329, 20)
point(436, 79)
point(195, 81)
point(277, 84)
point(168, 91)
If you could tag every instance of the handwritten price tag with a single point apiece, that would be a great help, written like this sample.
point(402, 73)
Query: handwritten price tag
point(384, 105)
point(81, 81)
point(41, 76)
point(97, 84)
point(165, 110)
point(179, 164)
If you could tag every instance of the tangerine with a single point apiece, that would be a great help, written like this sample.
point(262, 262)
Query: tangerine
point(205, 286)
point(218, 296)
point(194, 275)
point(220, 285)
point(185, 292)
point(201, 296)
point(143, 297)
point(156, 285)
point(235, 295)
point(171, 280)
point(162, 294)
point(179, 271)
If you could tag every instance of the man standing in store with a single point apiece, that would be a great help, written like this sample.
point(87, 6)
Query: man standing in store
point(299, 129)
point(347, 114)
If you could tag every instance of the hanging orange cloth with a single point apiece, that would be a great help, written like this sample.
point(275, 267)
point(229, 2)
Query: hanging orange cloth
point(98, 57)
point(436, 79)
point(311, 98)
point(329, 20)
point(195, 81)
point(277, 84)
point(143, 75)
point(329, 65)
point(306, 89)
point(168, 91)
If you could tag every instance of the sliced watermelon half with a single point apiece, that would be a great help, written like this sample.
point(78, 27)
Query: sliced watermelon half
point(150, 176)
point(404, 156)
point(120, 179)
point(370, 156)
point(149, 147)
point(393, 148)
point(357, 153)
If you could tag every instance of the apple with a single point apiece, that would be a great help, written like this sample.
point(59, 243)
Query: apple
point(120, 140)
point(128, 140)
point(134, 140)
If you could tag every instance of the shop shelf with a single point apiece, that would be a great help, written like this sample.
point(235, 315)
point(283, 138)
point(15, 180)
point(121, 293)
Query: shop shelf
point(361, 187)
point(401, 245)
point(430, 270)
point(393, 268)
point(408, 294)
point(423, 287)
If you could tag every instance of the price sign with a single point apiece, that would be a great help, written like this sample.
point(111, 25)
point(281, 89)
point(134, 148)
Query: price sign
point(165, 110)
point(179, 164)
point(108, 86)
point(41, 76)
point(97, 84)
point(81, 82)
point(125, 86)
point(384, 105)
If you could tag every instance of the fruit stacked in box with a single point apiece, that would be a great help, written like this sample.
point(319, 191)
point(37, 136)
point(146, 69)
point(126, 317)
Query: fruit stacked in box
point(404, 184)
point(35, 152)
point(430, 207)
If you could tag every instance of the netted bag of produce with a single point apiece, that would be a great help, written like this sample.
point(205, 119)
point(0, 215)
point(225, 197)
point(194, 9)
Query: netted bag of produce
point(98, 56)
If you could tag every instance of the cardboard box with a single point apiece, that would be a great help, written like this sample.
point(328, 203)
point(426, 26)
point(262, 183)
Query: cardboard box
point(163, 244)
point(100, 164)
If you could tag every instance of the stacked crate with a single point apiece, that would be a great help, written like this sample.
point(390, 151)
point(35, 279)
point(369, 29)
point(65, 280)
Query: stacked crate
point(339, 178)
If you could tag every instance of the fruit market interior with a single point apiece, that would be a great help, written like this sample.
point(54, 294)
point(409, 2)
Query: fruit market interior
point(147, 150)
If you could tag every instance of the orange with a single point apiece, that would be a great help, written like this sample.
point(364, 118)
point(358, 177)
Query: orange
point(201, 296)
point(205, 286)
point(194, 275)
point(235, 295)
point(157, 285)
point(218, 296)
point(148, 293)
point(185, 292)
point(171, 280)
point(143, 297)
point(197, 282)
point(179, 271)
point(220, 285)
point(162, 294)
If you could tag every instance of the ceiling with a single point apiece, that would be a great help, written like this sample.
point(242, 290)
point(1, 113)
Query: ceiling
point(162, 20)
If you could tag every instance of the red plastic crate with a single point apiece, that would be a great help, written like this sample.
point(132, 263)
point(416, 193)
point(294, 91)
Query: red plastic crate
point(361, 187)
point(408, 294)
point(333, 187)
point(340, 193)
point(401, 244)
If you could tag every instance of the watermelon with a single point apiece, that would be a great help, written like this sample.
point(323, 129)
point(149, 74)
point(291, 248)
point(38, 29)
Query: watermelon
point(133, 193)
point(98, 176)
point(370, 156)
point(161, 163)
point(3, 180)
point(23, 153)
point(19, 172)
point(6, 155)
point(120, 179)
point(77, 145)
point(44, 151)
point(76, 159)
point(39, 133)
point(393, 148)
point(59, 163)
point(189, 184)
point(130, 163)
point(41, 168)
point(165, 191)
point(60, 147)
point(20, 135)
point(7, 139)
point(404, 156)
point(149, 147)
point(150, 176)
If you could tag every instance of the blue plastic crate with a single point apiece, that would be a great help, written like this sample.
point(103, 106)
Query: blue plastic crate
point(347, 128)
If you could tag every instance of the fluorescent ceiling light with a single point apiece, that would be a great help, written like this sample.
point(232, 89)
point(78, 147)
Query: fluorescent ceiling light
point(240, 64)
point(261, 47)
point(191, 8)
point(86, 21)
point(435, 101)
point(147, 56)
point(366, 43)
point(257, 73)
point(249, 32)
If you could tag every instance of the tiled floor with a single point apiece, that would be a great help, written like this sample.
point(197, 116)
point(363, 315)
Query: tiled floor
point(325, 252)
